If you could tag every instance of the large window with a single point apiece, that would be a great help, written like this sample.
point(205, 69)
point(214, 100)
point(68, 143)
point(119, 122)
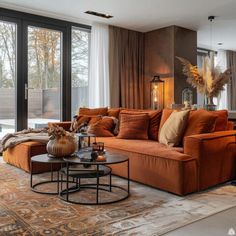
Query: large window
point(80, 68)
point(7, 77)
point(44, 65)
point(44, 76)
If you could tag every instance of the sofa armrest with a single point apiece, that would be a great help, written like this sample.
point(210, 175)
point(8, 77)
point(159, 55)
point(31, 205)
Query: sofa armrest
point(215, 154)
point(64, 124)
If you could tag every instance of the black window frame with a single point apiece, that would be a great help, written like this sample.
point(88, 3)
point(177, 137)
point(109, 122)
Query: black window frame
point(23, 20)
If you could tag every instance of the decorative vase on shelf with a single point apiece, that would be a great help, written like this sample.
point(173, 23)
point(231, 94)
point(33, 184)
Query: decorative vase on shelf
point(187, 96)
point(61, 143)
point(209, 104)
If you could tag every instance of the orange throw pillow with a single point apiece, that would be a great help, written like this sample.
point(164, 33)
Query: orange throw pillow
point(94, 119)
point(133, 126)
point(154, 120)
point(102, 127)
point(93, 112)
point(199, 122)
point(221, 120)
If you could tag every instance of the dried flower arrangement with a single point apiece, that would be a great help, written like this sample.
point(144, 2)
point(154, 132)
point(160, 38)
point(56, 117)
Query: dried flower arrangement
point(209, 80)
point(56, 132)
point(61, 143)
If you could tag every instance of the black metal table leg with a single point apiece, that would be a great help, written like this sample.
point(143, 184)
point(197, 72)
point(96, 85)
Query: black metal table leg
point(51, 171)
point(58, 181)
point(128, 176)
point(67, 181)
point(110, 182)
point(31, 175)
point(88, 141)
point(61, 179)
point(97, 183)
point(79, 140)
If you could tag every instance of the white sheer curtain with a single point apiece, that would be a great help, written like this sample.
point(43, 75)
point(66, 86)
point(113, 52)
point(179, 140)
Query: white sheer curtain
point(99, 66)
point(220, 60)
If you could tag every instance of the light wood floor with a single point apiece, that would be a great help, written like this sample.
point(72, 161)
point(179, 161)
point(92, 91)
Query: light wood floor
point(220, 224)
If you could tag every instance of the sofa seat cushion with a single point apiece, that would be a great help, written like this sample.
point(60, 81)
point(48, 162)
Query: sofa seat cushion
point(146, 147)
point(155, 164)
point(20, 156)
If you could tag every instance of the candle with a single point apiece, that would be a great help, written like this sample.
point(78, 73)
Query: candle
point(101, 158)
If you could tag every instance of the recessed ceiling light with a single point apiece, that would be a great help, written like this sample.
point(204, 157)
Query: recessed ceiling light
point(220, 44)
point(98, 14)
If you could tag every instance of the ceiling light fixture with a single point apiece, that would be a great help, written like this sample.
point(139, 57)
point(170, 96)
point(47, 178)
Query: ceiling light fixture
point(107, 16)
point(211, 19)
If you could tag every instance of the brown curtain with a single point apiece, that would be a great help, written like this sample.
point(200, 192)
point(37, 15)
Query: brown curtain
point(231, 88)
point(126, 66)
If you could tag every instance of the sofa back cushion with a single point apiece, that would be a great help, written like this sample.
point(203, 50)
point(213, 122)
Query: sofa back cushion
point(221, 121)
point(171, 133)
point(93, 111)
point(166, 112)
point(133, 126)
point(115, 112)
point(199, 122)
point(154, 120)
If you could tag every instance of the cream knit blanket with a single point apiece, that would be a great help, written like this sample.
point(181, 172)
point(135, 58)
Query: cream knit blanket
point(12, 139)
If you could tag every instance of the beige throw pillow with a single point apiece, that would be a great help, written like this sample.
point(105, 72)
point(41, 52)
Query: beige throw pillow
point(173, 129)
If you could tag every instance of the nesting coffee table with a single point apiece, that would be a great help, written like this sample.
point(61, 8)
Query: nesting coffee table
point(101, 169)
point(46, 159)
point(74, 169)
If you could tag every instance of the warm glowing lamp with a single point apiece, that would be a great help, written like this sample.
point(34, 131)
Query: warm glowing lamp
point(157, 93)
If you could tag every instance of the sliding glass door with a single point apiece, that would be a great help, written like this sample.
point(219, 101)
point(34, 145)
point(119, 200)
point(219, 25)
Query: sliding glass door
point(44, 76)
point(80, 40)
point(8, 80)
point(44, 67)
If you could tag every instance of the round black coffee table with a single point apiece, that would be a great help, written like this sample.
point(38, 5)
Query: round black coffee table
point(99, 169)
point(52, 161)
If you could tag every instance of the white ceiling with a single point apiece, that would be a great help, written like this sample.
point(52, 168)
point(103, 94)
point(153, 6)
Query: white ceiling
point(145, 15)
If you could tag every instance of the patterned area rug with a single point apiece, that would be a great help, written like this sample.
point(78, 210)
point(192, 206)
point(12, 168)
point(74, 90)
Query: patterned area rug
point(147, 212)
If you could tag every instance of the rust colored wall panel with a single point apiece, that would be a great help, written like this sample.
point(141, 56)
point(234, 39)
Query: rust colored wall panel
point(185, 45)
point(161, 48)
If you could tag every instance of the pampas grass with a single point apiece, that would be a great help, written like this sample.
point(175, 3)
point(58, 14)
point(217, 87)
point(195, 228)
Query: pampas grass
point(208, 80)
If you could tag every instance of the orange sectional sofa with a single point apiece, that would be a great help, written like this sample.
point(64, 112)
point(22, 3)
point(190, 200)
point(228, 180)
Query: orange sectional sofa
point(204, 160)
